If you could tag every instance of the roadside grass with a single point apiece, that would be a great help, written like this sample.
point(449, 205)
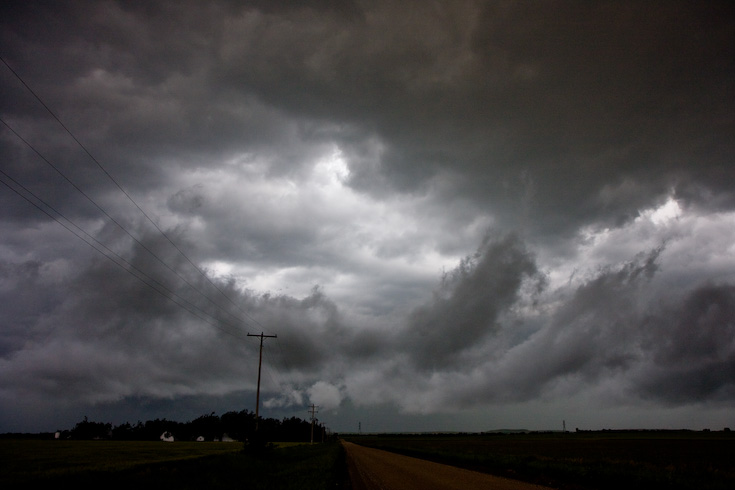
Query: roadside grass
point(679, 461)
point(179, 465)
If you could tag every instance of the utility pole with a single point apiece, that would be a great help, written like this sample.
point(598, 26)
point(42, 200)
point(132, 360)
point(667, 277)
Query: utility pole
point(260, 362)
point(313, 410)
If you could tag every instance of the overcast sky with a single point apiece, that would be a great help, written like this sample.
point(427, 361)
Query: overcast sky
point(454, 215)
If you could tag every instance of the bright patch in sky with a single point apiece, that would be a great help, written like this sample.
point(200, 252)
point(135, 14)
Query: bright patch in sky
point(668, 211)
point(332, 171)
point(219, 269)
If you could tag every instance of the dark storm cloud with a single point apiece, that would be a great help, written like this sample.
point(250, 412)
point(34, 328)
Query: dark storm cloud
point(140, 329)
point(469, 302)
point(326, 163)
point(596, 332)
point(141, 91)
point(693, 347)
point(596, 99)
point(612, 335)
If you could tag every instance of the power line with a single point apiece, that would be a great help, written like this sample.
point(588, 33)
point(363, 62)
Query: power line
point(171, 295)
point(137, 274)
point(272, 375)
point(140, 243)
point(129, 197)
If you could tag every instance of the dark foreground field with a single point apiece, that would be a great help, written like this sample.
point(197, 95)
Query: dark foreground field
point(179, 465)
point(592, 460)
point(574, 461)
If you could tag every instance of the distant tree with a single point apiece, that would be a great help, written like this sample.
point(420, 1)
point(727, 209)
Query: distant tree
point(207, 426)
point(236, 425)
point(295, 429)
point(153, 429)
point(91, 430)
point(124, 432)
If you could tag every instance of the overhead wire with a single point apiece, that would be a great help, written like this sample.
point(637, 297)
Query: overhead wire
point(170, 295)
point(116, 222)
point(91, 241)
point(275, 379)
point(127, 195)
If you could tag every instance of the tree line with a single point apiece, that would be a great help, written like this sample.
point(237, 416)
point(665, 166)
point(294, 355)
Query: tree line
point(238, 426)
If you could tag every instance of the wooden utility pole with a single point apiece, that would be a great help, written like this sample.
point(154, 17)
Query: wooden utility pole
point(313, 410)
point(260, 363)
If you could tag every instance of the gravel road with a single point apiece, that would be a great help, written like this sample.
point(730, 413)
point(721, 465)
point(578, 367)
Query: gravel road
point(373, 469)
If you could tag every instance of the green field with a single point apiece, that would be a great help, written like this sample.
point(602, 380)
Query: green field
point(576, 461)
point(180, 465)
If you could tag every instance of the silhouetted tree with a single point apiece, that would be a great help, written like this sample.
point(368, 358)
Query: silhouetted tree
point(91, 430)
point(237, 425)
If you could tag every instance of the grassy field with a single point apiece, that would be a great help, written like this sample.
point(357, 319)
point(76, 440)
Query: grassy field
point(575, 461)
point(179, 465)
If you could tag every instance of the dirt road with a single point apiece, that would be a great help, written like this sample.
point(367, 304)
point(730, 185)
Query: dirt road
point(373, 469)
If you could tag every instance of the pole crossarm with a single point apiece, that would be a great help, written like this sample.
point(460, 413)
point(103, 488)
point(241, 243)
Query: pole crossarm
point(260, 363)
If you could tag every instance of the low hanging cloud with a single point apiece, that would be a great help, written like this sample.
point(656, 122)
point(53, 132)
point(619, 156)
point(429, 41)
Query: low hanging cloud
point(692, 347)
point(623, 333)
point(467, 306)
